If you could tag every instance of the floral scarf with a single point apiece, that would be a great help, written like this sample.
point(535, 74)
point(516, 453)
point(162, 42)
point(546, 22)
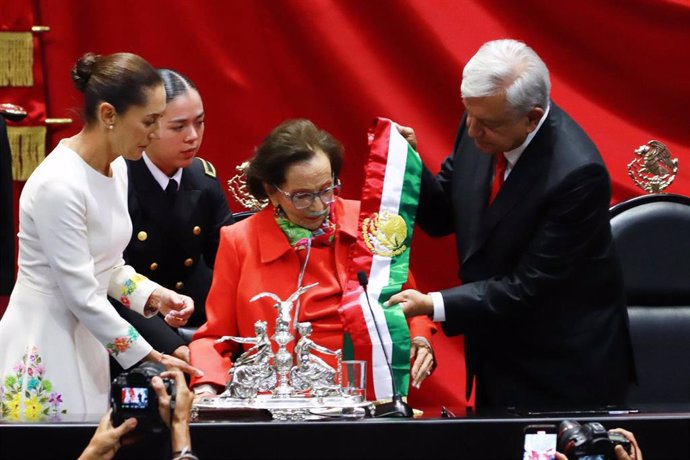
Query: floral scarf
point(298, 236)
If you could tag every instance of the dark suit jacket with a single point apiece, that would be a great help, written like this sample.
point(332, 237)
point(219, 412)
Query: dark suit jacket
point(542, 301)
point(175, 245)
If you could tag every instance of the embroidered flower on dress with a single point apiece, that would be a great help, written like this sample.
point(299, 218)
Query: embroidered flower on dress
point(33, 408)
point(55, 399)
point(26, 392)
point(128, 287)
point(10, 408)
point(121, 344)
point(33, 383)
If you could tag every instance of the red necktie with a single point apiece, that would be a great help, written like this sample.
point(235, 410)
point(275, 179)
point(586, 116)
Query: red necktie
point(500, 164)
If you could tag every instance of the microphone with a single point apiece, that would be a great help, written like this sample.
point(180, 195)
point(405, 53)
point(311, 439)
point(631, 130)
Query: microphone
point(397, 407)
point(363, 280)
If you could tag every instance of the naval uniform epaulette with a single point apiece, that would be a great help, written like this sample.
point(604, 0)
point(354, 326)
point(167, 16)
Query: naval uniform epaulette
point(209, 169)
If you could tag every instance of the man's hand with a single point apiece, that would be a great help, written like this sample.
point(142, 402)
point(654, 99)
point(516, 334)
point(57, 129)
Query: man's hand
point(408, 133)
point(176, 308)
point(413, 303)
point(106, 440)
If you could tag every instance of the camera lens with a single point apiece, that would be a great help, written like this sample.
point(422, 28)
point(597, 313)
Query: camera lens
point(571, 435)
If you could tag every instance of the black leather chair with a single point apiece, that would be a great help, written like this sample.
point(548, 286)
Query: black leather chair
point(652, 235)
point(188, 332)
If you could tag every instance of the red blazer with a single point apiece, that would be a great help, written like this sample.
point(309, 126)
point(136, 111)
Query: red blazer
point(254, 256)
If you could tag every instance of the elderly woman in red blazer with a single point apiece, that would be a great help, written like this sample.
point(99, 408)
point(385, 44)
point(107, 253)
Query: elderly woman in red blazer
point(302, 237)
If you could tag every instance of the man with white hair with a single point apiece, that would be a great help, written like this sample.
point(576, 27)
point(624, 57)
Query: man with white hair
point(526, 194)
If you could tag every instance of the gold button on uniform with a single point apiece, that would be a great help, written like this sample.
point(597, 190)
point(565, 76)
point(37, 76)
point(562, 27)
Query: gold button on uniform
point(179, 285)
point(153, 266)
point(189, 262)
point(141, 236)
point(196, 230)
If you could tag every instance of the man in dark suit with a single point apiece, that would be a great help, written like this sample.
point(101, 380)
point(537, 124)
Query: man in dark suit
point(526, 193)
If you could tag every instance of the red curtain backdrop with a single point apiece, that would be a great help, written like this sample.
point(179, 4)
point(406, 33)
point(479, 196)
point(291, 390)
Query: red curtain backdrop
point(619, 68)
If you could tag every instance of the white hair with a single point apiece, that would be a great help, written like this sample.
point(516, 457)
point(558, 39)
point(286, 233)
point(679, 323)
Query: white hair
point(510, 67)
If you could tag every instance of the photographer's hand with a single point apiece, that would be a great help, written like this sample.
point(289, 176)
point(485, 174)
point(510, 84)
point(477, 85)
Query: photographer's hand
point(178, 416)
point(106, 440)
point(621, 454)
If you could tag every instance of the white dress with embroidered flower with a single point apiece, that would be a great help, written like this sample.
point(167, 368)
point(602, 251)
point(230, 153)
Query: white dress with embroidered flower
point(59, 325)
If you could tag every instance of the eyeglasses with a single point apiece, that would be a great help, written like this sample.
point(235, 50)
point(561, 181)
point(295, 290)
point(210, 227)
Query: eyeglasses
point(302, 200)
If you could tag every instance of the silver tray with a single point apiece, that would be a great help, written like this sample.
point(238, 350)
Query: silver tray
point(289, 408)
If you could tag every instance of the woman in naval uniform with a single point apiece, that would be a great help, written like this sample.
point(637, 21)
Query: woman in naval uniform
point(177, 208)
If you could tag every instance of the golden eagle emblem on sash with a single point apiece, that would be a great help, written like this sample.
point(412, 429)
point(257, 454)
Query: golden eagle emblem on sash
point(385, 234)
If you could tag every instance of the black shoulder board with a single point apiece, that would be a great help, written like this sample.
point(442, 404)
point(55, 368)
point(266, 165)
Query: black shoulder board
point(209, 169)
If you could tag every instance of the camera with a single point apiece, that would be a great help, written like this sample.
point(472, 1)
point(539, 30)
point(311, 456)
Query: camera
point(540, 442)
point(590, 441)
point(131, 395)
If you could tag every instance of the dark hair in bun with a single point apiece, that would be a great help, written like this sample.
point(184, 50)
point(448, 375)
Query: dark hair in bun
point(175, 83)
point(81, 72)
point(119, 79)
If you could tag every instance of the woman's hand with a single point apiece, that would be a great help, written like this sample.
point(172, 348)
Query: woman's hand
point(182, 352)
point(422, 357)
point(205, 390)
point(176, 308)
point(106, 440)
point(171, 362)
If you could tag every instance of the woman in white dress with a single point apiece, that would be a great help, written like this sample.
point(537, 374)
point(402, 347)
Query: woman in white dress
point(59, 327)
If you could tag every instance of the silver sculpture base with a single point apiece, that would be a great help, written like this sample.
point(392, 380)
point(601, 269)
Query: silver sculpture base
point(290, 408)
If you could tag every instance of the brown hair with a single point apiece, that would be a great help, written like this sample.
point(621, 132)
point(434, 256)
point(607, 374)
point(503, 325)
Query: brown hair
point(119, 79)
point(290, 142)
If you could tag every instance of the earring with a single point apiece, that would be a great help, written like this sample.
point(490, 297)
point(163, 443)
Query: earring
point(277, 210)
point(110, 126)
